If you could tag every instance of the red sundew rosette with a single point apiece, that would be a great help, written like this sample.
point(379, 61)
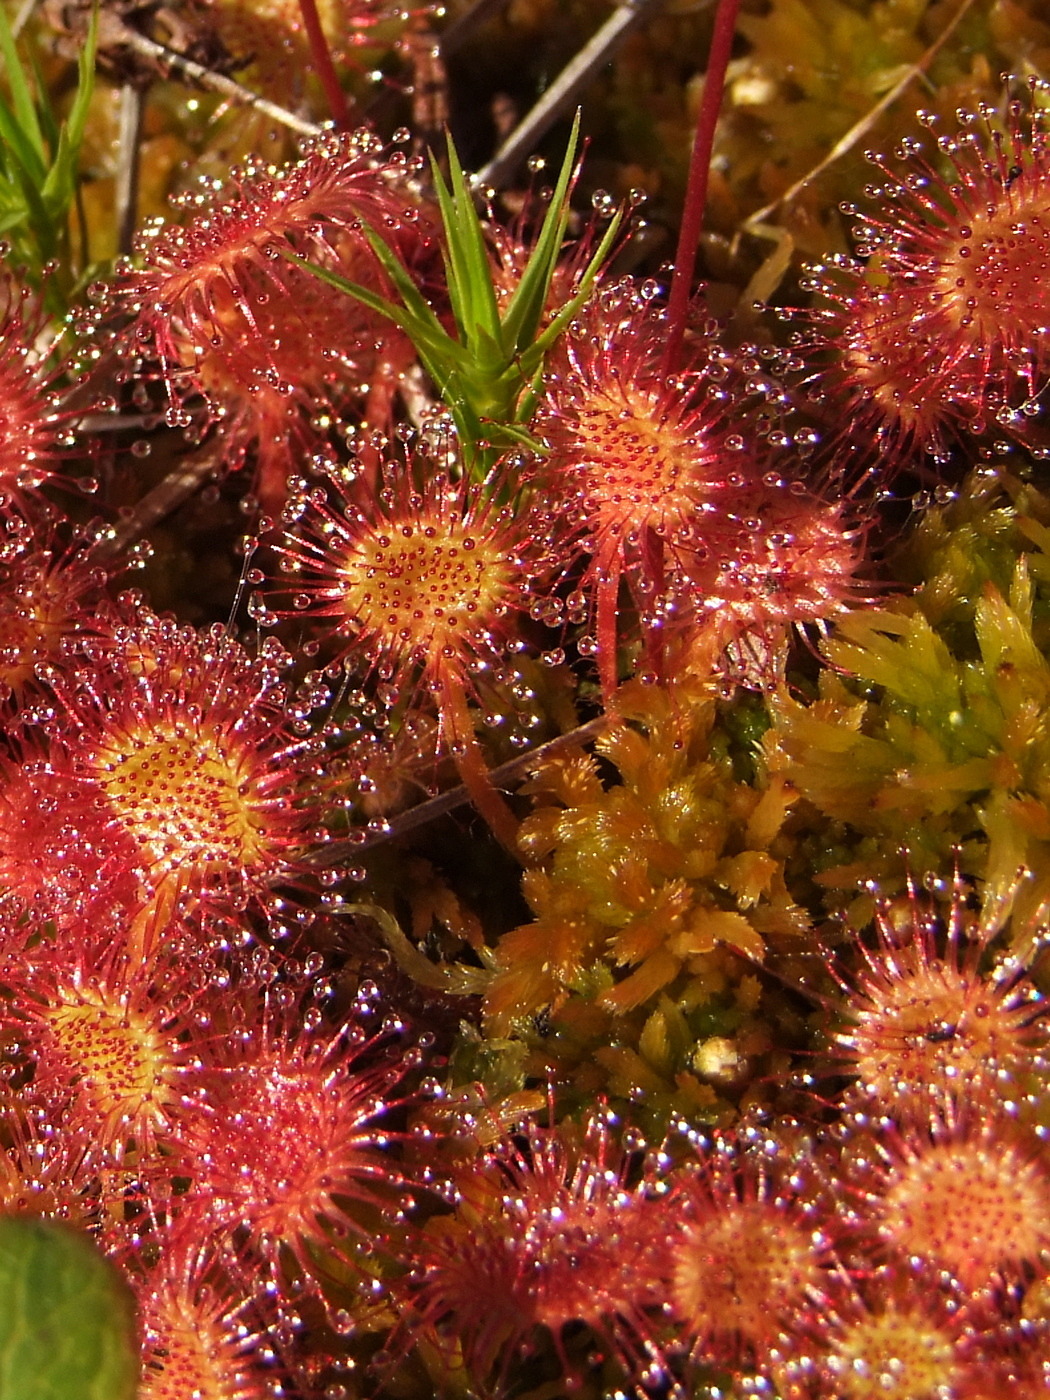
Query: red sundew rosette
point(53, 1176)
point(926, 1027)
point(52, 595)
point(57, 862)
point(201, 1332)
point(102, 1040)
point(965, 1196)
point(290, 1139)
point(876, 375)
point(976, 240)
point(754, 1243)
point(246, 336)
point(944, 330)
point(181, 756)
point(424, 587)
point(642, 467)
point(42, 396)
point(553, 1232)
point(788, 561)
point(887, 1333)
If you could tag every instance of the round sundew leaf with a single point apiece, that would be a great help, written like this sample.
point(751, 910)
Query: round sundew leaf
point(66, 1320)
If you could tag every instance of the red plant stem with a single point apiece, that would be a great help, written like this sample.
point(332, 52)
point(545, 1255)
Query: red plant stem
point(655, 648)
point(470, 763)
point(607, 596)
point(699, 171)
point(322, 56)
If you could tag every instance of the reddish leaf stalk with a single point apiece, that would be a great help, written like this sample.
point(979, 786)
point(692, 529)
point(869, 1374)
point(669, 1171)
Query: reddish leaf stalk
point(473, 770)
point(699, 172)
point(322, 56)
point(655, 651)
point(607, 597)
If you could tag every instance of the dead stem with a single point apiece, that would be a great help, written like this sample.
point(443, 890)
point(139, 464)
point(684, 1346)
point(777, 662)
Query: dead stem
point(128, 161)
point(216, 82)
point(118, 422)
point(563, 92)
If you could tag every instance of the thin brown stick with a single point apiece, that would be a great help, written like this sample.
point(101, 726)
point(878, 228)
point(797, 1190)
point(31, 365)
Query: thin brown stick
point(563, 92)
point(216, 82)
point(335, 852)
point(114, 422)
point(128, 162)
point(178, 486)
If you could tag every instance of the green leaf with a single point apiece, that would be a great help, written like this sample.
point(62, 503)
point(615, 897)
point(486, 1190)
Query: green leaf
point(39, 160)
point(417, 320)
point(487, 376)
point(37, 215)
point(23, 114)
point(59, 188)
point(525, 310)
point(66, 1318)
point(471, 293)
point(17, 145)
point(44, 110)
point(78, 113)
point(534, 353)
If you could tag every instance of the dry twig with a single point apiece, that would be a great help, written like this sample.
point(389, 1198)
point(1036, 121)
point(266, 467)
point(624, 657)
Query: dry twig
point(505, 776)
point(563, 92)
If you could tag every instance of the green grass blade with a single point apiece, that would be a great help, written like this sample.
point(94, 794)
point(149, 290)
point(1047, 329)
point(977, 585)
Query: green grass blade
point(38, 216)
point(58, 189)
point(44, 108)
point(457, 290)
point(533, 355)
point(525, 311)
point(23, 108)
point(473, 296)
point(412, 298)
point(78, 113)
point(60, 186)
point(508, 433)
point(424, 329)
point(371, 299)
point(17, 145)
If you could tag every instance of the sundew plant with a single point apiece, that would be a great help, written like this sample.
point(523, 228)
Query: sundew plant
point(525, 685)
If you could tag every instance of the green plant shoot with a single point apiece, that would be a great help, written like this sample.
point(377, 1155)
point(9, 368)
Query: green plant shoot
point(486, 371)
point(39, 159)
